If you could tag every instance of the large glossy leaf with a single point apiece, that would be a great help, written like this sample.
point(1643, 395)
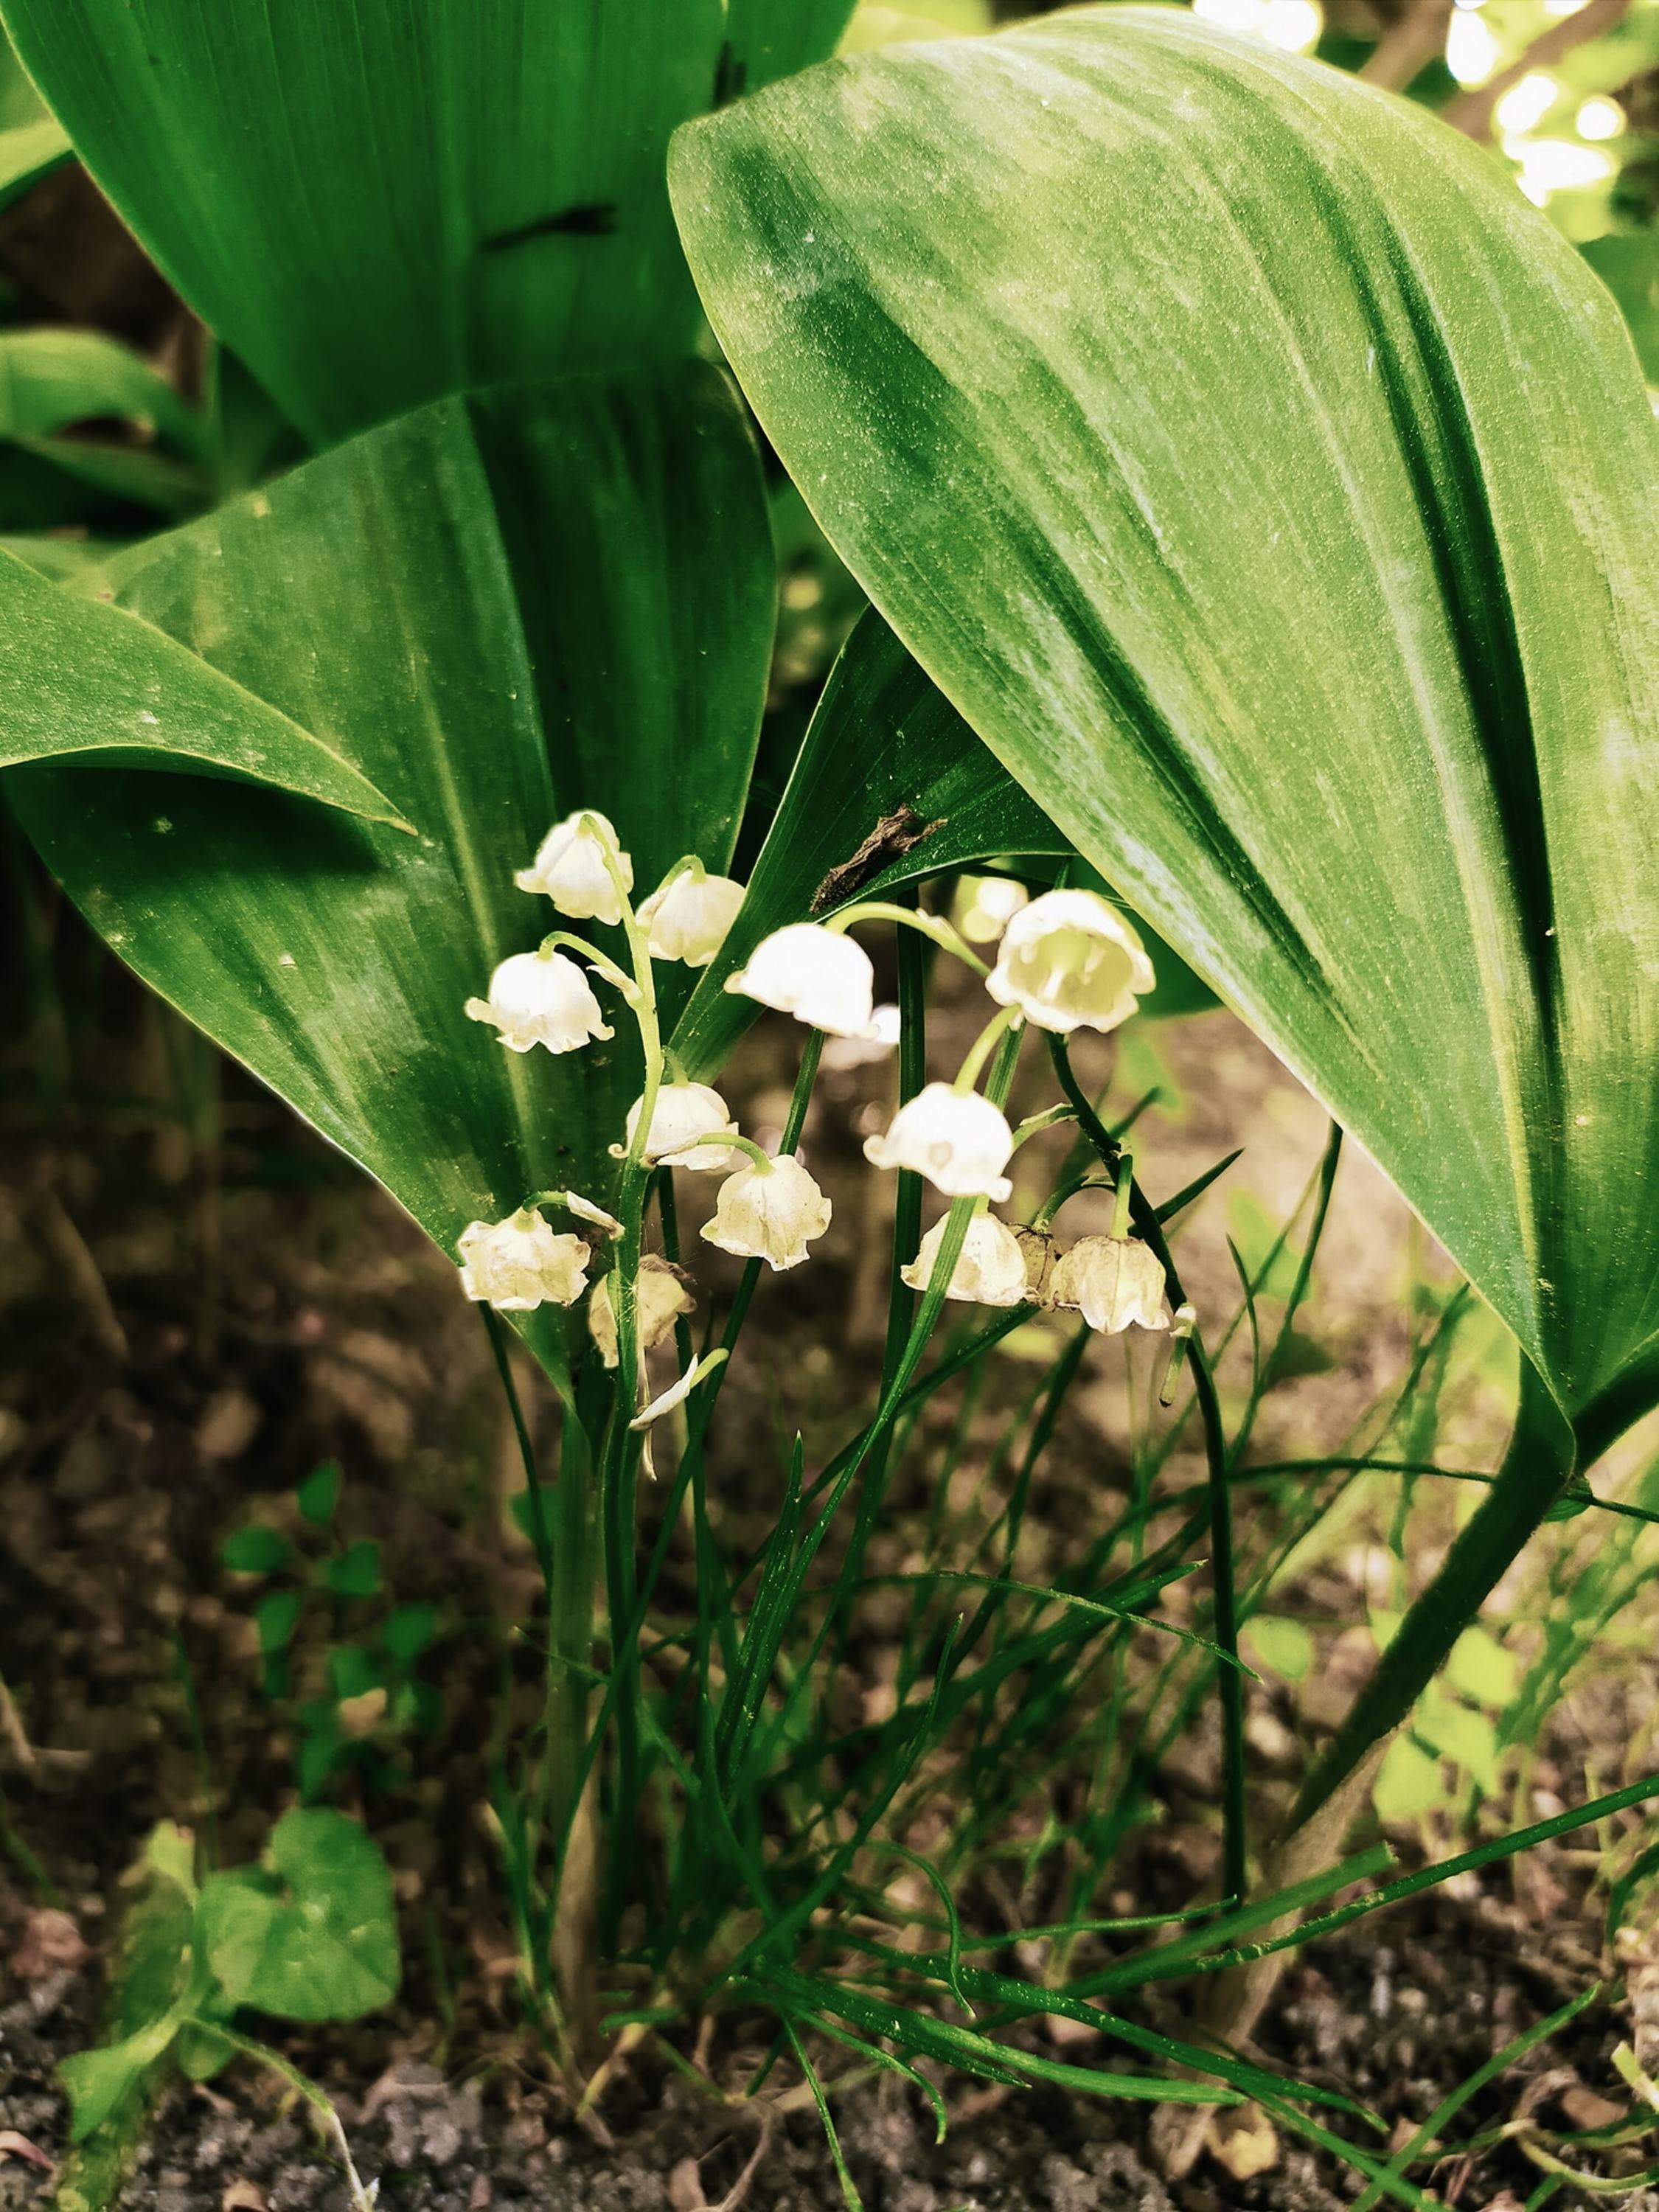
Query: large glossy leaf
point(86, 682)
point(490, 608)
point(375, 201)
point(1275, 494)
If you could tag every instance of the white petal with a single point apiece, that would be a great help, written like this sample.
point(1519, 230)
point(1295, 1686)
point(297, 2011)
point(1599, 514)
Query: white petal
point(817, 974)
point(958, 1140)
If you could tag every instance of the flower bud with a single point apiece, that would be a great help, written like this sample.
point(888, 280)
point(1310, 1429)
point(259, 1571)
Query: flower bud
point(541, 998)
point(1071, 960)
point(659, 1298)
point(1112, 1282)
point(520, 1263)
point(687, 917)
point(958, 1140)
point(990, 1270)
point(769, 1213)
point(818, 975)
point(683, 1114)
point(570, 868)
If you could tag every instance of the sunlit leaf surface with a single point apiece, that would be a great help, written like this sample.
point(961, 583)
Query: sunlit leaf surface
point(1275, 492)
point(376, 203)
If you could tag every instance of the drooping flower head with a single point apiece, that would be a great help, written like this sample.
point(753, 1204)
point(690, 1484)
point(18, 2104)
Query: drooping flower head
point(661, 1296)
point(958, 1140)
point(684, 1114)
point(570, 868)
point(990, 1271)
point(818, 975)
point(1114, 1282)
point(687, 917)
point(541, 998)
point(1071, 960)
point(769, 1213)
point(520, 1263)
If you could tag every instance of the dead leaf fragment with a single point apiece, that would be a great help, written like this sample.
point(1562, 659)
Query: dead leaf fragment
point(50, 1944)
point(685, 2188)
point(1244, 2142)
point(1586, 2109)
point(230, 1421)
point(12, 2145)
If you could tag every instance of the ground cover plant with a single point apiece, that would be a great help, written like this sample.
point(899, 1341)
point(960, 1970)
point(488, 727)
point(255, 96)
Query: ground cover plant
point(1234, 508)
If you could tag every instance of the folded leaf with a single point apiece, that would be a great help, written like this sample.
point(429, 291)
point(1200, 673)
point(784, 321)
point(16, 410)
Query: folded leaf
point(375, 204)
point(1276, 495)
point(310, 1932)
point(81, 679)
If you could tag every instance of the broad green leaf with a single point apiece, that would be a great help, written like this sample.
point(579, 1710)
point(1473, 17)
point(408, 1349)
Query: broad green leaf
point(771, 38)
point(81, 679)
point(31, 142)
point(1629, 266)
point(377, 203)
point(52, 378)
point(501, 608)
point(1408, 1784)
point(1282, 1645)
point(1275, 494)
point(258, 1549)
point(147, 1984)
point(883, 746)
point(319, 1493)
point(1482, 1668)
point(309, 1934)
point(29, 151)
point(100, 2081)
point(52, 381)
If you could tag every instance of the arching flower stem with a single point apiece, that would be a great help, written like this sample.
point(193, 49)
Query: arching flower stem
point(762, 1159)
point(1006, 1022)
point(1125, 1183)
point(567, 940)
point(932, 926)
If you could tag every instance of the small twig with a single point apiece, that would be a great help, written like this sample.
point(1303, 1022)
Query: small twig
point(1472, 112)
point(1409, 45)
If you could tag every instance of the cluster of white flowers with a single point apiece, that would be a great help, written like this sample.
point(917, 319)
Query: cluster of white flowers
point(1065, 960)
point(766, 1209)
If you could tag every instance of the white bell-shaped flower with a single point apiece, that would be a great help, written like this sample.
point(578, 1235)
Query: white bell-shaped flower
point(687, 917)
point(541, 998)
point(818, 975)
point(661, 1296)
point(1071, 960)
point(520, 1263)
point(990, 1270)
point(570, 868)
point(1114, 1282)
point(683, 1115)
point(985, 905)
point(769, 1213)
point(958, 1140)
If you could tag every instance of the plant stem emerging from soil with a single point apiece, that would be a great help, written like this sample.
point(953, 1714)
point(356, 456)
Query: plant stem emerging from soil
point(1231, 1682)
